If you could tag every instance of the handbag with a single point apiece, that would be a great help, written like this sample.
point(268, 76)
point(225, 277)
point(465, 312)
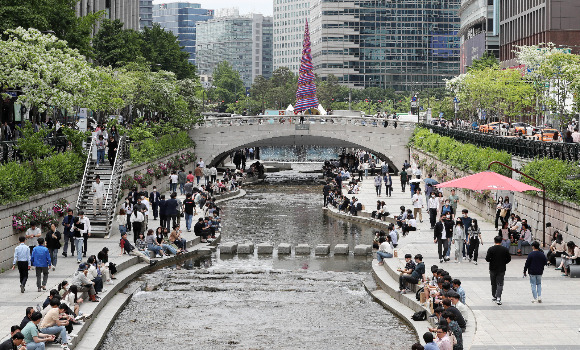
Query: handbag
point(503, 213)
point(452, 338)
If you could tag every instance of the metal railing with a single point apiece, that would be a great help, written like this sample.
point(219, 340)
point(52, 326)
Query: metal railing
point(85, 174)
point(517, 146)
point(8, 151)
point(115, 183)
point(292, 120)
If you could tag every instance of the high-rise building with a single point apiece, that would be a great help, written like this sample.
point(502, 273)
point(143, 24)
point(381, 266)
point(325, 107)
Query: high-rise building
point(289, 19)
point(402, 44)
point(180, 18)
point(145, 14)
point(243, 41)
point(127, 11)
point(479, 30)
point(532, 22)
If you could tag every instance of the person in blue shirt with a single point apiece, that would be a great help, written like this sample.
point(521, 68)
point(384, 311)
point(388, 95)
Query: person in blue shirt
point(429, 343)
point(459, 290)
point(535, 267)
point(41, 260)
point(22, 261)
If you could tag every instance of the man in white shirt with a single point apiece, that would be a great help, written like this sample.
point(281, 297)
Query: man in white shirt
point(81, 233)
point(201, 163)
point(32, 235)
point(98, 189)
point(418, 205)
point(576, 135)
point(459, 305)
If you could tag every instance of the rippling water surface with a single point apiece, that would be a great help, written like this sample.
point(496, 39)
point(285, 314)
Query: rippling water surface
point(294, 302)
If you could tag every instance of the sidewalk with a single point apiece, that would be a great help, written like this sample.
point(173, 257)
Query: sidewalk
point(517, 324)
point(14, 305)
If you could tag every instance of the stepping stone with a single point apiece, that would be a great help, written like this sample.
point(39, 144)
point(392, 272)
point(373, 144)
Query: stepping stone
point(265, 248)
point(302, 249)
point(284, 249)
point(322, 249)
point(341, 249)
point(228, 248)
point(246, 248)
point(363, 249)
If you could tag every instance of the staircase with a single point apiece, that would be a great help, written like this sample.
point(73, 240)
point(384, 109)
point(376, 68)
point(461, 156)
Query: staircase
point(111, 177)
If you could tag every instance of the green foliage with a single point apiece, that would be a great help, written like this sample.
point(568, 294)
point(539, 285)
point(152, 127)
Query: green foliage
point(553, 174)
point(162, 49)
point(115, 46)
point(488, 60)
point(76, 139)
point(32, 144)
point(18, 181)
point(152, 148)
point(228, 86)
point(460, 155)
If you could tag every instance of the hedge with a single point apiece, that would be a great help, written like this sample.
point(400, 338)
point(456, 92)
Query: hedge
point(19, 181)
point(153, 148)
point(553, 173)
point(460, 155)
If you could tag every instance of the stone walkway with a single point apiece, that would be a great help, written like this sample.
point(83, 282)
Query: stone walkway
point(517, 324)
point(14, 303)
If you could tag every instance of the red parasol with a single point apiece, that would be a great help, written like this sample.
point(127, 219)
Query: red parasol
point(488, 180)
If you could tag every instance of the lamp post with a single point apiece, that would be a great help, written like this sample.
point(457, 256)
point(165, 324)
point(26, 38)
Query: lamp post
point(543, 196)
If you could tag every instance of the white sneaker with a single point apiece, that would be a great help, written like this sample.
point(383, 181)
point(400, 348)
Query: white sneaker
point(533, 301)
point(73, 335)
point(109, 282)
point(104, 290)
point(475, 263)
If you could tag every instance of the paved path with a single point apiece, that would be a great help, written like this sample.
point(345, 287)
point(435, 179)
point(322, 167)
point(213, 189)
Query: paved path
point(517, 324)
point(14, 303)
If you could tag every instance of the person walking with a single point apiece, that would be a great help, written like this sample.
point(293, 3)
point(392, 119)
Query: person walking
point(418, 205)
point(86, 232)
point(181, 179)
point(440, 237)
point(198, 172)
point(173, 182)
point(41, 261)
point(498, 257)
point(473, 241)
point(535, 266)
point(388, 184)
point(458, 239)
point(68, 223)
point(113, 145)
point(404, 179)
point(433, 204)
point(53, 244)
point(101, 144)
point(378, 184)
point(154, 198)
point(32, 234)
point(98, 189)
point(22, 261)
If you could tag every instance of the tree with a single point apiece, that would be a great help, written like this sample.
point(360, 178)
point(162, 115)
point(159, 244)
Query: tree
point(57, 16)
point(114, 46)
point(283, 88)
point(162, 49)
point(260, 91)
point(488, 60)
point(228, 86)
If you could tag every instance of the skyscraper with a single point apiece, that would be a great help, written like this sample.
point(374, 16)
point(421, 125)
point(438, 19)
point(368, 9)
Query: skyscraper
point(479, 32)
point(145, 13)
point(243, 41)
point(180, 18)
point(127, 11)
point(403, 44)
point(289, 19)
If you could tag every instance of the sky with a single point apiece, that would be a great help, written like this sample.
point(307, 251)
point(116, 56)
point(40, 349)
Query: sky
point(264, 7)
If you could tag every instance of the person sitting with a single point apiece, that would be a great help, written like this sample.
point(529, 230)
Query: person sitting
point(448, 306)
point(400, 219)
point(175, 237)
point(525, 238)
point(429, 343)
point(556, 248)
point(15, 341)
point(569, 257)
point(410, 224)
point(152, 244)
point(53, 324)
point(454, 328)
point(459, 290)
point(127, 247)
point(140, 243)
point(515, 229)
point(417, 274)
point(409, 266)
point(103, 259)
point(443, 341)
point(33, 337)
point(83, 283)
point(385, 249)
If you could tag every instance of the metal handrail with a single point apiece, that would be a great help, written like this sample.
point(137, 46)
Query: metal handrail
point(116, 177)
point(83, 182)
point(292, 119)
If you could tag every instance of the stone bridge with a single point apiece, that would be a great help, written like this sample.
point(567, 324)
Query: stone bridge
point(217, 138)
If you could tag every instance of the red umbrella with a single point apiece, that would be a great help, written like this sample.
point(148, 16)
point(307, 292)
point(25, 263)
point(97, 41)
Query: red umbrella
point(488, 180)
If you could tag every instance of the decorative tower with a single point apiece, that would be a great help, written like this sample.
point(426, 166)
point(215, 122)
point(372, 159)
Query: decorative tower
point(306, 93)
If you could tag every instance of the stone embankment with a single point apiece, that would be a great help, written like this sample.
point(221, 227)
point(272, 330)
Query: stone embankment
point(300, 249)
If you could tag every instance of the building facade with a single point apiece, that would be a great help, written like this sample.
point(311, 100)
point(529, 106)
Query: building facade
point(532, 22)
point(180, 18)
point(479, 31)
point(289, 20)
point(127, 11)
point(404, 44)
point(145, 14)
point(243, 41)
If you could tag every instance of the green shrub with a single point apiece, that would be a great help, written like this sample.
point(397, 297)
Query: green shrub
point(460, 155)
point(19, 181)
point(553, 174)
point(152, 148)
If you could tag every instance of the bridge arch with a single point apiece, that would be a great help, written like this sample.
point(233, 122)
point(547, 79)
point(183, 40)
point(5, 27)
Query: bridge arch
point(215, 140)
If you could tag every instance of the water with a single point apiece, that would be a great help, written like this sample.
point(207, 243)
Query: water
point(299, 153)
point(257, 302)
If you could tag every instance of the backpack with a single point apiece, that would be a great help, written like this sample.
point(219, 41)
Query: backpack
point(419, 316)
point(418, 294)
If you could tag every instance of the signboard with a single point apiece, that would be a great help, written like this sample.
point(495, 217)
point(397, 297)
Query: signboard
point(472, 49)
point(17, 112)
point(82, 123)
point(413, 104)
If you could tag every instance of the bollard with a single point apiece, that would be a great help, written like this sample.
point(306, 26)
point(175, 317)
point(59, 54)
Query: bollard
point(341, 249)
point(284, 249)
point(302, 249)
point(265, 248)
point(322, 249)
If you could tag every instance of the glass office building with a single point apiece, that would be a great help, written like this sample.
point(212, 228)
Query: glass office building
point(145, 14)
point(289, 21)
point(402, 44)
point(243, 41)
point(180, 18)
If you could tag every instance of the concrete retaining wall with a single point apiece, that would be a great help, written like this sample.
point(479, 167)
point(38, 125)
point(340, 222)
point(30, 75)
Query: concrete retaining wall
point(564, 217)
